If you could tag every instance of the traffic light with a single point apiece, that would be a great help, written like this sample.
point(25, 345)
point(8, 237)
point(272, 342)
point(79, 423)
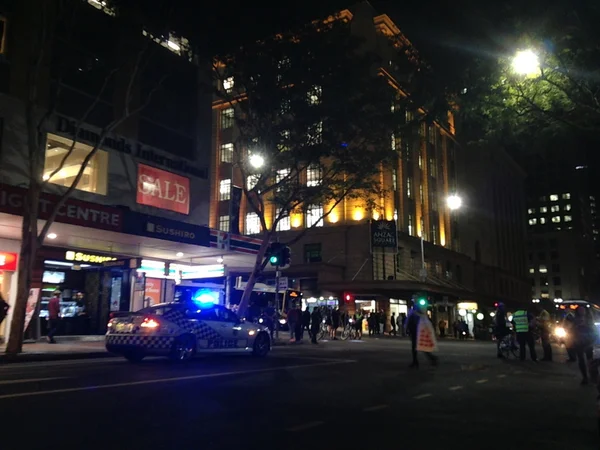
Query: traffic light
point(347, 297)
point(274, 253)
point(421, 300)
point(286, 256)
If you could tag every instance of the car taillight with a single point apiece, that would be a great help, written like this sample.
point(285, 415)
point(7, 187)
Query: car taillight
point(149, 323)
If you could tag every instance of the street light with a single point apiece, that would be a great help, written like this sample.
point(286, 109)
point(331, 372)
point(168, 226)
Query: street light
point(454, 202)
point(526, 62)
point(256, 161)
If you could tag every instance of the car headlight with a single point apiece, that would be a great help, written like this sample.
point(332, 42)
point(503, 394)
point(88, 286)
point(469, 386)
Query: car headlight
point(560, 332)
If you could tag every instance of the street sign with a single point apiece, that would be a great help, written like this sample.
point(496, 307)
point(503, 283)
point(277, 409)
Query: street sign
point(283, 283)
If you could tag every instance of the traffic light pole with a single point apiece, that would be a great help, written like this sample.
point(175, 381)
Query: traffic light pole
point(277, 315)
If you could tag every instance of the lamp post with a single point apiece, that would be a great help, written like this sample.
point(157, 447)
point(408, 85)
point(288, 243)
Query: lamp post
point(526, 62)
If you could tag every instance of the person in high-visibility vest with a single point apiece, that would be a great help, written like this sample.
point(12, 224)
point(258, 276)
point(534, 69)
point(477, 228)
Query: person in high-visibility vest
point(521, 320)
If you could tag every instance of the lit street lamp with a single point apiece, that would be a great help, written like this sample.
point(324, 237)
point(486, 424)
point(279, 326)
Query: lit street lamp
point(256, 160)
point(526, 62)
point(454, 202)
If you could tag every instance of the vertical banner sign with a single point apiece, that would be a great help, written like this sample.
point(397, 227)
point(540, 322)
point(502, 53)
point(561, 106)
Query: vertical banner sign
point(234, 216)
point(383, 234)
point(32, 301)
point(153, 295)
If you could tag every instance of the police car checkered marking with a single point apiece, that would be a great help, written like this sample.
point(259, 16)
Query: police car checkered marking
point(150, 342)
point(199, 328)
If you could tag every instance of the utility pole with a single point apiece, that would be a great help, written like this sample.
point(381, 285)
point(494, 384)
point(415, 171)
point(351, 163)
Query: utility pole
point(277, 315)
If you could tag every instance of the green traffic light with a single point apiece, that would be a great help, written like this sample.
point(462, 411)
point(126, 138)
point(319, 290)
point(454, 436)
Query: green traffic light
point(422, 302)
point(273, 259)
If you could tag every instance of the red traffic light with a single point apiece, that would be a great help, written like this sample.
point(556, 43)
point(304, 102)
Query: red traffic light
point(347, 296)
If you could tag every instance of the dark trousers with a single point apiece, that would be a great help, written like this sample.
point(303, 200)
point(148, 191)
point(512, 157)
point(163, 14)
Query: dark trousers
point(582, 353)
point(53, 328)
point(572, 354)
point(393, 331)
point(526, 339)
point(299, 332)
point(314, 334)
point(442, 332)
point(545, 337)
point(415, 359)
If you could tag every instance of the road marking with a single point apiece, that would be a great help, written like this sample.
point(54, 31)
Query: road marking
point(501, 376)
point(30, 380)
point(70, 362)
point(483, 380)
point(166, 380)
point(455, 388)
point(375, 408)
point(305, 426)
point(418, 397)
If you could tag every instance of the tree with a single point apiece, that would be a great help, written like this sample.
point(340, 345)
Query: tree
point(54, 24)
point(314, 120)
point(558, 94)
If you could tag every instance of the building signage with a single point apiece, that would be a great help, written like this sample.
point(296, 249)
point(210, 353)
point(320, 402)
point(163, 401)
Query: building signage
point(120, 144)
point(383, 234)
point(87, 258)
point(75, 212)
point(164, 190)
point(8, 261)
point(170, 230)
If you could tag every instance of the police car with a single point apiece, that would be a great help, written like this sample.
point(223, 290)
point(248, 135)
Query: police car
point(181, 330)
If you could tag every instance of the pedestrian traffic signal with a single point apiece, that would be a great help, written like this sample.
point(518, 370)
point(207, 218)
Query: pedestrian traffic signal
point(278, 254)
point(347, 297)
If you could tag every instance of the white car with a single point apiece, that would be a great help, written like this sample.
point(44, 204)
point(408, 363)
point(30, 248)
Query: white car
point(182, 330)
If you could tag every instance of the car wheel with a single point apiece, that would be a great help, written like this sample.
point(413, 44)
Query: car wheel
point(134, 356)
point(261, 345)
point(183, 349)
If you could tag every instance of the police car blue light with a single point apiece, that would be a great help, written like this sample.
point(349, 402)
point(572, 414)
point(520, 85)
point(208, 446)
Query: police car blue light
point(182, 330)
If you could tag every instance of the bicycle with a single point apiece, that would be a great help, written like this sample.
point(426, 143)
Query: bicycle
point(349, 332)
point(508, 346)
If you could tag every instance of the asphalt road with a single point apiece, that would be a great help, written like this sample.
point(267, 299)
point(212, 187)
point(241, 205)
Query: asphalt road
point(336, 395)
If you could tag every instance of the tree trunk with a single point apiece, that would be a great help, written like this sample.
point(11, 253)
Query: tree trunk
point(27, 255)
point(244, 302)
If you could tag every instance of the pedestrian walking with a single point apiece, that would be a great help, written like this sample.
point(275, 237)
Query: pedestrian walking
point(393, 324)
point(53, 316)
point(292, 319)
point(422, 334)
point(585, 337)
point(522, 321)
point(4, 307)
point(315, 324)
point(543, 322)
point(442, 327)
point(306, 321)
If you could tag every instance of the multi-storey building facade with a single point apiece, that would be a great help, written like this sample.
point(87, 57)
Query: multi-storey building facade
point(335, 260)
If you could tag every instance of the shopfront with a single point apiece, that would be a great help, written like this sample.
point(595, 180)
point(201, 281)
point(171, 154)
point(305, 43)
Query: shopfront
point(8, 279)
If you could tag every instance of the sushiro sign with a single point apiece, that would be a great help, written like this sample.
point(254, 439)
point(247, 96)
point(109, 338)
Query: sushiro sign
point(69, 127)
point(163, 189)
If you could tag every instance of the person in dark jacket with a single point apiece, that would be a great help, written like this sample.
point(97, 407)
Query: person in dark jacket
point(315, 324)
point(4, 306)
point(585, 338)
point(306, 321)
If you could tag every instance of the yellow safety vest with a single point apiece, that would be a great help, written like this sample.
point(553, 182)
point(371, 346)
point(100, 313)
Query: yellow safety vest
point(521, 321)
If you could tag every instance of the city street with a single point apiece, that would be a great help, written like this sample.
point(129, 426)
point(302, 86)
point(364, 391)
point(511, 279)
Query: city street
point(336, 395)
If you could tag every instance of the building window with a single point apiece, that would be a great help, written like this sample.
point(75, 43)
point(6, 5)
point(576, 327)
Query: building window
point(314, 95)
point(395, 179)
point(543, 198)
point(432, 168)
point(543, 268)
point(555, 268)
point(568, 207)
point(531, 270)
point(393, 139)
point(422, 197)
point(543, 209)
point(434, 234)
point(252, 181)
point(542, 220)
point(224, 223)
point(556, 281)
point(532, 221)
point(558, 293)
point(102, 6)
point(431, 134)
point(553, 254)
point(95, 174)
point(282, 177)
point(284, 223)
point(556, 219)
point(312, 253)
point(566, 196)
point(227, 152)
point(409, 187)
point(225, 189)
point(314, 216)
point(553, 198)
point(554, 208)
point(252, 223)
point(420, 161)
point(410, 225)
point(227, 116)
point(531, 211)
point(314, 175)
point(228, 84)
point(568, 218)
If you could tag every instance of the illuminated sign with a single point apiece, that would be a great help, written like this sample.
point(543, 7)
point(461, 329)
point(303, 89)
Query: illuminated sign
point(8, 261)
point(163, 189)
point(156, 269)
point(86, 257)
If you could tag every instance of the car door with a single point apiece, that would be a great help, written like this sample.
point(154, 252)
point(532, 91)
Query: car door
point(230, 328)
point(206, 327)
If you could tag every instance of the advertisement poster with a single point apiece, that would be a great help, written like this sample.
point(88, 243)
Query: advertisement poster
point(162, 189)
point(32, 300)
point(115, 294)
point(153, 295)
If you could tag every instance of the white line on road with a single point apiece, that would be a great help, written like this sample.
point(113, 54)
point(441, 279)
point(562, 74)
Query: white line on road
point(305, 426)
point(71, 362)
point(375, 408)
point(483, 380)
point(455, 388)
point(166, 380)
point(419, 397)
point(502, 376)
point(30, 380)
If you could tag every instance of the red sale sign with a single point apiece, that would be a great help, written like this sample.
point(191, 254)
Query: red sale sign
point(8, 261)
point(164, 190)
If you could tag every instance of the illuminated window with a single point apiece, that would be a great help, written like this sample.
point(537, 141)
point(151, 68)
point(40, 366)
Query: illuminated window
point(531, 210)
point(556, 219)
point(553, 198)
point(102, 6)
point(568, 207)
point(555, 208)
point(314, 95)
point(531, 270)
point(420, 161)
point(421, 196)
point(228, 84)
point(314, 216)
point(252, 181)
point(432, 168)
point(282, 177)
point(410, 225)
point(227, 116)
point(532, 221)
point(568, 218)
point(176, 44)
point(314, 175)
point(393, 141)
point(227, 152)
point(284, 223)
point(225, 189)
point(543, 269)
point(2, 35)
point(431, 134)
point(542, 220)
point(224, 223)
point(252, 223)
point(543, 209)
point(566, 196)
point(395, 179)
point(95, 174)
point(409, 187)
